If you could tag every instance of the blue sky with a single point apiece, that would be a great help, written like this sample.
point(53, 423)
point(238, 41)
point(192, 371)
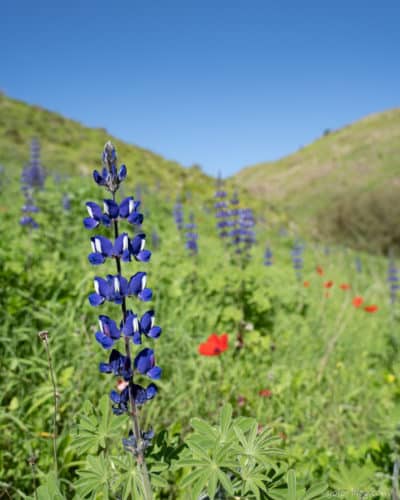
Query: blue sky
point(224, 84)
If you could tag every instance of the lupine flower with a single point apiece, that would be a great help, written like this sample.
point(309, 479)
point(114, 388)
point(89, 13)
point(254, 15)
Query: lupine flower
point(131, 445)
point(371, 309)
point(117, 289)
point(357, 301)
point(123, 248)
point(242, 234)
point(118, 364)
point(215, 345)
point(33, 174)
point(66, 202)
point(112, 212)
point(222, 213)
point(191, 236)
point(32, 179)
point(145, 364)
point(268, 257)
point(109, 333)
point(358, 264)
point(297, 258)
point(393, 279)
point(178, 215)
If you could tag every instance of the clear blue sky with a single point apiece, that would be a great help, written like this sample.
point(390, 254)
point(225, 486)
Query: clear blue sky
point(220, 83)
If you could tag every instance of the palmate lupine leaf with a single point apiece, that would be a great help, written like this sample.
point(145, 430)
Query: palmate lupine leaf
point(96, 427)
point(49, 489)
point(353, 477)
point(94, 478)
point(293, 492)
point(233, 453)
point(256, 448)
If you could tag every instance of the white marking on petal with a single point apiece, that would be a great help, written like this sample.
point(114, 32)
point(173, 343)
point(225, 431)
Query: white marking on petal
point(93, 246)
point(152, 321)
point(101, 326)
point(89, 209)
point(144, 279)
point(106, 211)
point(131, 206)
point(116, 284)
point(97, 244)
point(97, 286)
point(125, 242)
point(135, 324)
point(142, 243)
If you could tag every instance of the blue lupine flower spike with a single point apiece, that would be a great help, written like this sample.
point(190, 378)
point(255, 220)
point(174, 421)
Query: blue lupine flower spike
point(123, 247)
point(32, 179)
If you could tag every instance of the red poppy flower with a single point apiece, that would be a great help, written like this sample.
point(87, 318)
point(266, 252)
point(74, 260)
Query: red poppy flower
point(357, 301)
point(319, 270)
point(306, 284)
point(371, 309)
point(265, 393)
point(214, 345)
point(345, 286)
point(328, 284)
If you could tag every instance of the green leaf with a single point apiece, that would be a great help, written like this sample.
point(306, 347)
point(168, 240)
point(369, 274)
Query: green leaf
point(292, 490)
point(226, 419)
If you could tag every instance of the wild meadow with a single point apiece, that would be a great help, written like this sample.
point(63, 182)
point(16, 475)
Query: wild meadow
point(262, 364)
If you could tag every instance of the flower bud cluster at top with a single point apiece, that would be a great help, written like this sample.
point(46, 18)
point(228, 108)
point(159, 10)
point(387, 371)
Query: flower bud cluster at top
point(115, 288)
point(32, 179)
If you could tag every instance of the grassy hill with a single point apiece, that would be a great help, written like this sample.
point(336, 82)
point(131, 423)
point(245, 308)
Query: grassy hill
point(343, 186)
point(68, 147)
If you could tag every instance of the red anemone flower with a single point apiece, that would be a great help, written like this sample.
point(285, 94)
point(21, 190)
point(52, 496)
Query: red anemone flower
point(265, 393)
point(357, 301)
point(345, 286)
point(306, 284)
point(214, 345)
point(319, 270)
point(371, 309)
point(328, 284)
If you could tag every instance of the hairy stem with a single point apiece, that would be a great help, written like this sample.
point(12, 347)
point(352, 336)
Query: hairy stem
point(134, 412)
point(332, 342)
point(395, 480)
point(44, 336)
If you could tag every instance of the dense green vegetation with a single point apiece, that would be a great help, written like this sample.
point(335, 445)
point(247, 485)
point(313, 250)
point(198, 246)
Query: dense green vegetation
point(319, 373)
point(347, 174)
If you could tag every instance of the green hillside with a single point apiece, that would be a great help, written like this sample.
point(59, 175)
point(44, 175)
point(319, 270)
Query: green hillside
point(68, 147)
point(344, 185)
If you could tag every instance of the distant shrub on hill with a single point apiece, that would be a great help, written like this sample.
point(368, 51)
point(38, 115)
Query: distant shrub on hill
point(369, 221)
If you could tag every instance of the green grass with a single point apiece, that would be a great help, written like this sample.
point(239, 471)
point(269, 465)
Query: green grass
point(332, 369)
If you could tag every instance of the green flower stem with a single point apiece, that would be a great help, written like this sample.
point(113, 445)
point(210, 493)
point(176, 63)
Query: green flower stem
point(44, 336)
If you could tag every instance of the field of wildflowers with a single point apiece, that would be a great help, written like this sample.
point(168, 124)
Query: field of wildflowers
point(280, 358)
